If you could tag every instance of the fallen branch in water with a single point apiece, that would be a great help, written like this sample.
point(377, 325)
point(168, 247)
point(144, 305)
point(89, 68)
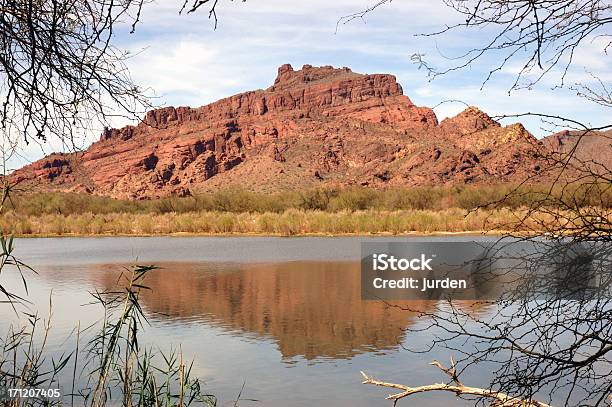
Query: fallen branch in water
point(455, 386)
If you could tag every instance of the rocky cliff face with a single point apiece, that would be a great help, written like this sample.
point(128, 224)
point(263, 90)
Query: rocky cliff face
point(315, 126)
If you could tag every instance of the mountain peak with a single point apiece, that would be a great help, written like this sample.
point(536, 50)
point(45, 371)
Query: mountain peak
point(288, 78)
point(470, 119)
point(473, 112)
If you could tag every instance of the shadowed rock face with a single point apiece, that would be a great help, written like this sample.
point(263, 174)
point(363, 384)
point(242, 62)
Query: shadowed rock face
point(313, 127)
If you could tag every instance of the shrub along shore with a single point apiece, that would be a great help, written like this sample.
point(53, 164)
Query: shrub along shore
point(420, 210)
point(288, 223)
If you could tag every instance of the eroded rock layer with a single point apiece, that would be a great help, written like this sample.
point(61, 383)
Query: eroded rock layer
point(313, 127)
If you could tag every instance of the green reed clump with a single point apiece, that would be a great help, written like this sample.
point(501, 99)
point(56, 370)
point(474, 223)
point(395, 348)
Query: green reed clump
point(316, 199)
point(126, 371)
point(68, 203)
point(235, 201)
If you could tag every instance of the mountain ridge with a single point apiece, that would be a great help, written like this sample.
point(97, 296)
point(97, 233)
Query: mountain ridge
point(314, 126)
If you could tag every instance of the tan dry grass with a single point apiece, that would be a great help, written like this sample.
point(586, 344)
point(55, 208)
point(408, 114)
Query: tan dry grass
point(290, 222)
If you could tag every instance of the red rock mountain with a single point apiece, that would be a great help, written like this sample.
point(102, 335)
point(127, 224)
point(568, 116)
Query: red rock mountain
point(315, 126)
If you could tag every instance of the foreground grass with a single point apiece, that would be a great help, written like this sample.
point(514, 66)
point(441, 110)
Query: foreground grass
point(287, 223)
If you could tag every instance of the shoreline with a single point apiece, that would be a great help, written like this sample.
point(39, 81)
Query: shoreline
point(254, 234)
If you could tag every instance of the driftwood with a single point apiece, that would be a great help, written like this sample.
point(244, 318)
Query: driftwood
point(455, 386)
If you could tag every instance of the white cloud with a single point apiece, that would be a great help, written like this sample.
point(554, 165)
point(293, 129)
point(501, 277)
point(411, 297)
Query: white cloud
point(187, 70)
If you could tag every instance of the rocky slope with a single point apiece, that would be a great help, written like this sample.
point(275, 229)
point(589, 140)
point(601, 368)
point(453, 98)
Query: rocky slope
point(594, 150)
point(313, 127)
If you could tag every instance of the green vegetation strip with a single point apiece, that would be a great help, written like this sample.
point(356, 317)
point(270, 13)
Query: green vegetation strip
point(317, 211)
point(328, 200)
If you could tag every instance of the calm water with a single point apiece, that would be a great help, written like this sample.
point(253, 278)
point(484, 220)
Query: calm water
point(283, 315)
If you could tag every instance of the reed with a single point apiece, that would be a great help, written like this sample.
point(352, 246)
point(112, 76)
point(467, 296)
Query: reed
point(117, 369)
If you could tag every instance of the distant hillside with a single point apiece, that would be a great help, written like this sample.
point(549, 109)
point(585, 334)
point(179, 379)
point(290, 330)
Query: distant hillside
point(313, 127)
point(594, 149)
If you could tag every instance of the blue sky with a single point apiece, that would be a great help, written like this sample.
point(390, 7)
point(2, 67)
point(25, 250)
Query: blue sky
point(186, 62)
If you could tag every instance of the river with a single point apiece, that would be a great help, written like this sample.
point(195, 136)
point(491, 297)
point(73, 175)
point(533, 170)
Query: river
point(284, 316)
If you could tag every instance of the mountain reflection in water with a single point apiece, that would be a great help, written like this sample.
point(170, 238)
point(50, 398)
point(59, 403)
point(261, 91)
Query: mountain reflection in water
point(310, 309)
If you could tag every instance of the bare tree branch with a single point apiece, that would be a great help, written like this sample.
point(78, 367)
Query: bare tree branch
point(456, 387)
point(59, 71)
point(212, 11)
